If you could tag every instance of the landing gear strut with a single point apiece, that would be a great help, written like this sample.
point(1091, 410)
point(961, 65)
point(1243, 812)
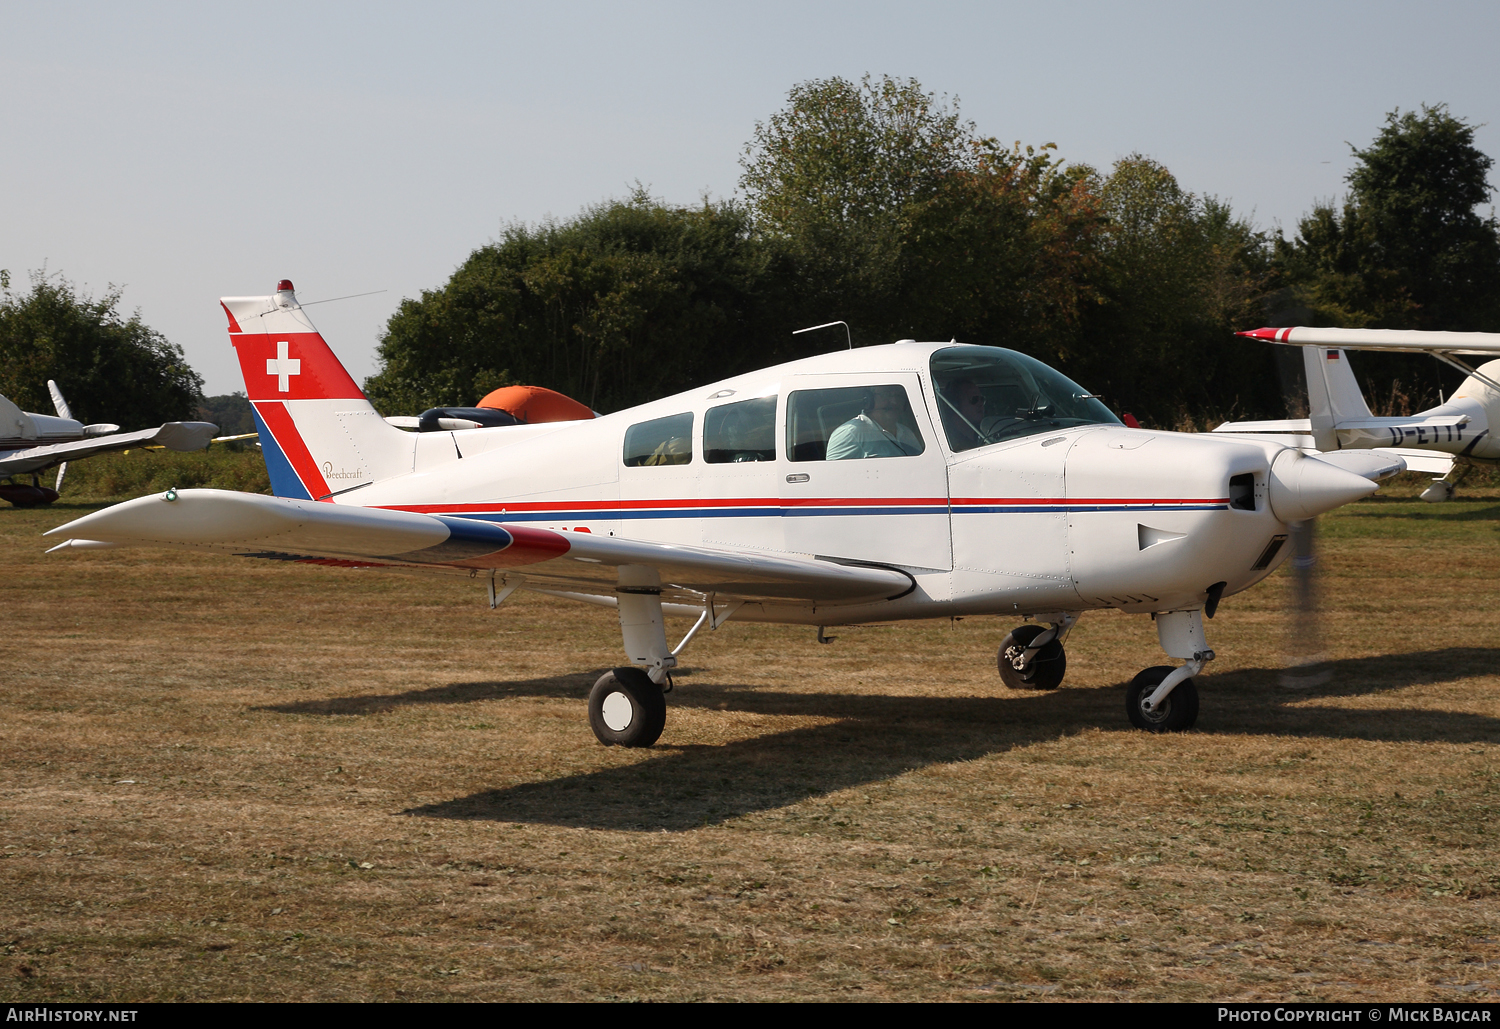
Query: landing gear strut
point(627, 707)
point(1032, 657)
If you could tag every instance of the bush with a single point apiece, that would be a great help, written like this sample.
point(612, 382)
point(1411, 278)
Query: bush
point(133, 473)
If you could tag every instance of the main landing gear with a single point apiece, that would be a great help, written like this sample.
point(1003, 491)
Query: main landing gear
point(627, 706)
point(1032, 657)
point(627, 709)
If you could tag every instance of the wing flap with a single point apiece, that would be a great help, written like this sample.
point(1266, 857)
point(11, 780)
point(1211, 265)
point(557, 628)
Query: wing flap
point(301, 530)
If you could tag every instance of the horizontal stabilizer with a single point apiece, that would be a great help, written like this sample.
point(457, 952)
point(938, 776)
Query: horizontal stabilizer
point(1430, 462)
point(1413, 421)
point(252, 525)
point(1375, 465)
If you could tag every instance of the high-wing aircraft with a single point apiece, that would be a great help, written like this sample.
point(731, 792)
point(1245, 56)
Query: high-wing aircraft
point(32, 443)
point(1448, 439)
point(913, 480)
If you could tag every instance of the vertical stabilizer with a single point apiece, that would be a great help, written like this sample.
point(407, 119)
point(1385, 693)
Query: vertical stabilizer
point(319, 434)
point(1333, 395)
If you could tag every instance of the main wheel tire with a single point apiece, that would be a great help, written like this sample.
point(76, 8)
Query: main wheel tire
point(1046, 669)
point(1176, 714)
point(627, 709)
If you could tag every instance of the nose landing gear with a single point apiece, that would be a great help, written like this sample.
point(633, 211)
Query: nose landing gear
point(1175, 712)
point(1163, 698)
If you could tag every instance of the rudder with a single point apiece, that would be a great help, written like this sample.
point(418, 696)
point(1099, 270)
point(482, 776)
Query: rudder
point(319, 434)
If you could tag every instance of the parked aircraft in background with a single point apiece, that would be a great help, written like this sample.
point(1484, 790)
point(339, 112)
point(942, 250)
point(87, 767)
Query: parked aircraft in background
point(913, 480)
point(1448, 439)
point(32, 443)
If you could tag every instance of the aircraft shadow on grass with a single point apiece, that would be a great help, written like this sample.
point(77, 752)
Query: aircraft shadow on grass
point(879, 737)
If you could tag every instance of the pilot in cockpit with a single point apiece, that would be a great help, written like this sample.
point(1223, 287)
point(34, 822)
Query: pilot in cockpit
point(877, 431)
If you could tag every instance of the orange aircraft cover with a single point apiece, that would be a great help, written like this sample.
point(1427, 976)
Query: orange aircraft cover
point(534, 404)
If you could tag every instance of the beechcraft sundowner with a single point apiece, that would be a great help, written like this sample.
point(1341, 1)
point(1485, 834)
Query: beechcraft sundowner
point(913, 480)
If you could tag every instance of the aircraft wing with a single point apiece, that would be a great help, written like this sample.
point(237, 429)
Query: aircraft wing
point(1411, 340)
point(251, 525)
point(172, 435)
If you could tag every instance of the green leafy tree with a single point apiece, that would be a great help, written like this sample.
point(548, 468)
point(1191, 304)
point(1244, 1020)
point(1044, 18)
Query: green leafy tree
point(627, 302)
point(110, 368)
point(1180, 273)
point(904, 221)
point(1407, 248)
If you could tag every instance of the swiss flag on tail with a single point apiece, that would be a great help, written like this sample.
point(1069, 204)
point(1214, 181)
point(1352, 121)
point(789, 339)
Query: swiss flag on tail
point(282, 356)
point(313, 419)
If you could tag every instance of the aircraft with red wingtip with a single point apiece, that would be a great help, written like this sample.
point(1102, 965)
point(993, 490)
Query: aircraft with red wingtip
point(1449, 439)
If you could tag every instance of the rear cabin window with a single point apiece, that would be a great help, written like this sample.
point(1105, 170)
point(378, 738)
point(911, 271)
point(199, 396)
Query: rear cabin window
point(660, 441)
point(850, 423)
point(735, 433)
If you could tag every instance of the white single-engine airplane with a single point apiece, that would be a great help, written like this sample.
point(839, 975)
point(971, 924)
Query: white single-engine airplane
point(31, 443)
point(914, 480)
point(1448, 439)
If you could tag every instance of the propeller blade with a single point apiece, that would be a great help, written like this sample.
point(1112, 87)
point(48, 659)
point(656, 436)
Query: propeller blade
point(62, 470)
point(1304, 660)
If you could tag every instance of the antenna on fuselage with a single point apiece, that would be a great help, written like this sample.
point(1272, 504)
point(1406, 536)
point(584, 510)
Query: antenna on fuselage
point(827, 325)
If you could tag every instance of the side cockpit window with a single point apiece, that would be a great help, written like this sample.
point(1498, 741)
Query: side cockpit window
point(660, 441)
point(736, 433)
point(850, 423)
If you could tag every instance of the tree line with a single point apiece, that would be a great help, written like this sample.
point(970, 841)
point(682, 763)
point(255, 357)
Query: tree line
point(877, 204)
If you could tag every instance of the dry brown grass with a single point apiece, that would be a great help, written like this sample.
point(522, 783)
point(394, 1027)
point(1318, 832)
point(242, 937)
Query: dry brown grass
point(224, 779)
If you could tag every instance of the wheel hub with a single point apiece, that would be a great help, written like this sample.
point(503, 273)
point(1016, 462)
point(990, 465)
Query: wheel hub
point(1159, 713)
point(618, 712)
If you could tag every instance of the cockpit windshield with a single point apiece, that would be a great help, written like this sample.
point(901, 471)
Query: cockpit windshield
point(987, 394)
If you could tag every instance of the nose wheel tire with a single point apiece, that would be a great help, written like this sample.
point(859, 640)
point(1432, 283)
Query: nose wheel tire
point(1046, 669)
point(627, 709)
point(1177, 712)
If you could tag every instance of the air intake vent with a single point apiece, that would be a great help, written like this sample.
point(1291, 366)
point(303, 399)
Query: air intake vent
point(1242, 493)
point(1269, 554)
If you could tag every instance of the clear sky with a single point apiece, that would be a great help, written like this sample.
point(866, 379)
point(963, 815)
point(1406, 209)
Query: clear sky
point(189, 151)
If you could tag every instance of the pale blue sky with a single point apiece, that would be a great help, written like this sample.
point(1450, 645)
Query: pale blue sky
point(189, 151)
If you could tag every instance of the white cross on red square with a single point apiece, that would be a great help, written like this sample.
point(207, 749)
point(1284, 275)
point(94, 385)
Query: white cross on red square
point(283, 367)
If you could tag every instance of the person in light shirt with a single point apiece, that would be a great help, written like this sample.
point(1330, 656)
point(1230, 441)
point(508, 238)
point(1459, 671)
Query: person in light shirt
point(877, 431)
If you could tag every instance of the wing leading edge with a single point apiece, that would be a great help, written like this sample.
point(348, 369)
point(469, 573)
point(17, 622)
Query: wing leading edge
point(298, 530)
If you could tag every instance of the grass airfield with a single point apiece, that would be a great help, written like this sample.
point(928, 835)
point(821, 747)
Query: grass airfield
point(224, 779)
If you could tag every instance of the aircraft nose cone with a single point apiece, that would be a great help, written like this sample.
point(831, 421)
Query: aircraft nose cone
point(1304, 487)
